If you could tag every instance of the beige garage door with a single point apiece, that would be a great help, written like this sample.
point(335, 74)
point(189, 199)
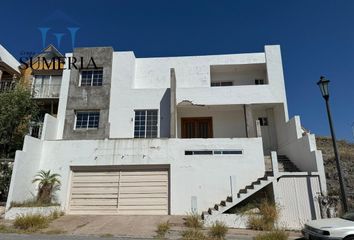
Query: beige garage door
point(119, 192)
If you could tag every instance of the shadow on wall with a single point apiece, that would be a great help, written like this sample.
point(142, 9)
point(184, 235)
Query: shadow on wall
point(165, 105)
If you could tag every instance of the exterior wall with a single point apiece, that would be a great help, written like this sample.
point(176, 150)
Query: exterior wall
point(26, 165)
point(305, 189)
point(238, 74)
point(206, 177)
point(301, 149)
point(50, 127)
point(143, 83)
point(87, 97)
point(227, 122)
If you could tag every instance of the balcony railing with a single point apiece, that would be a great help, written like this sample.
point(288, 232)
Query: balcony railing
point(46, 91)
point(6, 85)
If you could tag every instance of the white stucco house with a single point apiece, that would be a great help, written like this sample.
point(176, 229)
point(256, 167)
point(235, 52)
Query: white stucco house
point(173, 135)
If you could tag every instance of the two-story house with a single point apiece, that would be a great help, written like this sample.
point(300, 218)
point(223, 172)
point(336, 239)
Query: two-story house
point(172, 135)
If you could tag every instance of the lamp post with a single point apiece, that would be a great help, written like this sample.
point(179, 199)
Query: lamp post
point(323, 84)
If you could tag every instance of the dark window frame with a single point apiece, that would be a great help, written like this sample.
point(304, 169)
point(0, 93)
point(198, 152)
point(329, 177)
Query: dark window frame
point(91, 77)
point(85, 120)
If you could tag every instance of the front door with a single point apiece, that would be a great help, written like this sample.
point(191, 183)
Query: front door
point(201, 127)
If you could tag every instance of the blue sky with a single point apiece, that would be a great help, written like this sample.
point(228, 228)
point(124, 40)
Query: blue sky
point(316, 37)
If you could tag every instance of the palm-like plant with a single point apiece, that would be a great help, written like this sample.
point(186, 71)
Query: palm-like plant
point(48, 183)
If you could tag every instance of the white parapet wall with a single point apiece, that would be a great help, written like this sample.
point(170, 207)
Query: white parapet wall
point(301, 149)
point(26, 165)
point(15, 212)
point(205, 178)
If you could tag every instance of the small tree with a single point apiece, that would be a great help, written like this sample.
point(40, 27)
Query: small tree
point(48, 183)
point(16, 110)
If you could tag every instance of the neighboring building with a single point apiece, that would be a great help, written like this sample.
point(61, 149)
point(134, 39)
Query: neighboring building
point(44, 80)
point(9, 76)
point(174, 135)
point(9, 70)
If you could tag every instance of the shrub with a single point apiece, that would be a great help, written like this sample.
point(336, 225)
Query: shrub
point(193, 234)
point(162, 229)
point(273, 235)
point(31, 222)
point(193, 220)
point(48, 183)
point(256, 222)
point(218, 230)
point(266, 218)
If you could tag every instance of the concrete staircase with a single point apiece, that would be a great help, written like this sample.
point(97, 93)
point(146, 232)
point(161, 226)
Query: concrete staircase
point(244, 193)
point(285, 165)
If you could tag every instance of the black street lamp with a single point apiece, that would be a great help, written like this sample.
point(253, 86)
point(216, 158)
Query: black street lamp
point(323, 84)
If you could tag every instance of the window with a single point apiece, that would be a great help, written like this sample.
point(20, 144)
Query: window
point(213, 152)
point(87, 120)
point(221, 84)
point(259, 81)
point(91, 77)
point(263, 121)
point(145, 124)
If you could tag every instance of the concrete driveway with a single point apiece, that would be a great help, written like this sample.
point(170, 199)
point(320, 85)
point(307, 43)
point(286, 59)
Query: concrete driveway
point(130, 226)
point(136, 227)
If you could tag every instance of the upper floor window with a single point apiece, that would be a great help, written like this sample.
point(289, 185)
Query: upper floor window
point(259, 81)
point(145, 124)
point(87, 119)
point(221, 84)
point(92, 77)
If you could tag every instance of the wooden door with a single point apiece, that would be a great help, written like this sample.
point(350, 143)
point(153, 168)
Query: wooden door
point(197, 127)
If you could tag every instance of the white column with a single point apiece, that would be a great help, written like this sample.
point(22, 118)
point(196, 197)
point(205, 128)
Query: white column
point(173, 110)
point(250, 123)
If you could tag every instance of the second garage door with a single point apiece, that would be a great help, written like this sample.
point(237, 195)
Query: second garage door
point(119, 192)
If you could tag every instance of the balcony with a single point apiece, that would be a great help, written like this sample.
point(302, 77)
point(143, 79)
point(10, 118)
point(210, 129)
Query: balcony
point(46, 91)
point(6, 85)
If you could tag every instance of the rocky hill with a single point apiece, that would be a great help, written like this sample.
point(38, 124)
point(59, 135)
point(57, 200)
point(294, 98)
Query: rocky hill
point(346, 151)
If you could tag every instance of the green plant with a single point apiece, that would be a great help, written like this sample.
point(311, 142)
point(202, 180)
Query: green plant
point(48, 183)
point(5, 178)
point(273, 235)
point(31, 223)
point(193, 220)
point(218, 230)
point(193, 234)
point(266, 218)
point(16, 110)
point(162, 230)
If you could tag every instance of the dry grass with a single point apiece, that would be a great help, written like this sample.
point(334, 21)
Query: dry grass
point(193, 234)
point(266, 218)
point(273, 235)
point(193, 220)
point(107, 235)
point(162, 230)
point(218, 230)
point(31, 223)
point(32, 203)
